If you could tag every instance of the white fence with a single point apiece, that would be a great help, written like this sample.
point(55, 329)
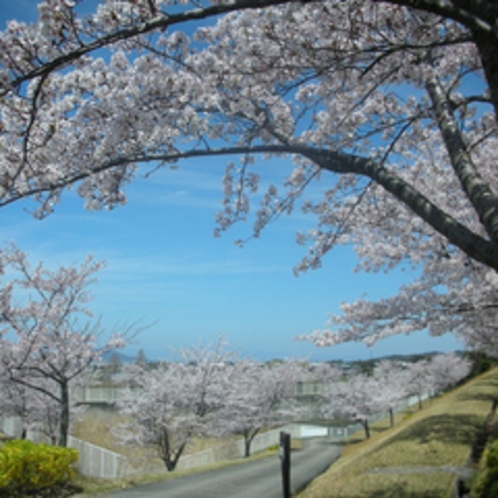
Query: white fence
point(93, 460)
point(235, 450)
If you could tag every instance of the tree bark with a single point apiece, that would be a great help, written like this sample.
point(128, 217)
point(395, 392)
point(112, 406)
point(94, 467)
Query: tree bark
point(364, 422)
point(248, 439)
point(64, 414)
point(169, 457)
point(247, 447)
point(477, 190)
point(473, 245)
point(488, 50)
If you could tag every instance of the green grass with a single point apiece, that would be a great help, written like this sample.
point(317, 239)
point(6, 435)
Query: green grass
point(418, 457)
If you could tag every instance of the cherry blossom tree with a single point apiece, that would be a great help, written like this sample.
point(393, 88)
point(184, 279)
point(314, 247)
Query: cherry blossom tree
point(356, 398)
point(455, 295)
point(47, 342)
point(210, 375)
point(360, 396)
point(260, 396)
point(170, 403)
point(391, 104)
point(420, 381)
point(391, 389)
point(160, 411)
point(448, 370)
point(432, 375)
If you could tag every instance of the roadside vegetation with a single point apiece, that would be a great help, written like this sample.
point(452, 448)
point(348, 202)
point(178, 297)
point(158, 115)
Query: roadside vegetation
point(422, 456)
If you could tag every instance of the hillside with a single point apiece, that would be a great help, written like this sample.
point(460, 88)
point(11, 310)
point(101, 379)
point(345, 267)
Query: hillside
point(422, 456)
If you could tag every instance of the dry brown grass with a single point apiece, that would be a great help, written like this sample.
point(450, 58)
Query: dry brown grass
point(96, 426)
point(417, 457)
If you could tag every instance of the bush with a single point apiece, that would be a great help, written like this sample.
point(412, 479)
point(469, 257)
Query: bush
point(26, 467)
point(487, 486)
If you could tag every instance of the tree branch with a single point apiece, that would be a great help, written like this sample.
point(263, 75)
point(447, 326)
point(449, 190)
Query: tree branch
point(160, 22)
point(469, 13)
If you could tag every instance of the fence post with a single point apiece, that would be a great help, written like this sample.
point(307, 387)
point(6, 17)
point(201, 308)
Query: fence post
point(285, 458)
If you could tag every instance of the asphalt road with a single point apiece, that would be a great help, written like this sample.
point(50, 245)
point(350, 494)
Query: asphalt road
point(255, 479)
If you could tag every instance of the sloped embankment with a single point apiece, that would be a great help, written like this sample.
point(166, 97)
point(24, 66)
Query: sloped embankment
point(422, 456)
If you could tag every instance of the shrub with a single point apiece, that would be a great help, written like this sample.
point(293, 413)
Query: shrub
point(26, 467)
point(487, 486)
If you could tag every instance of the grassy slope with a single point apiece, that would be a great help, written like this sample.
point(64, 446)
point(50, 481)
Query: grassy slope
point(416, 458)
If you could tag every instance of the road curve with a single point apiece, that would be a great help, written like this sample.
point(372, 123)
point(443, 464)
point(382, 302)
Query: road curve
point(258, 478)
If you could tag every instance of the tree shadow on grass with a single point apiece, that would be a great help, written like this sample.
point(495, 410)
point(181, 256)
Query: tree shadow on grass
point(481, 385)
point(446, 428)
point(480, 395)
point(488, 398)
point(400, 491)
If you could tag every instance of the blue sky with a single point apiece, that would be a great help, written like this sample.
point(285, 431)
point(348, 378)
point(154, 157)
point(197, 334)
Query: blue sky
point(167, 271)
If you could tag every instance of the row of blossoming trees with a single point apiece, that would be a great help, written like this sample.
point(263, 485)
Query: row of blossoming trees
point(211, 392)
point(207, 392)
point(360, 396)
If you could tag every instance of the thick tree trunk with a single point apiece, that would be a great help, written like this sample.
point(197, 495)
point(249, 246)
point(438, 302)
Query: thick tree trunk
point(478, 191)
point(64, 414)
point(366, 427)
point(172, 459)
point(487, 44)
point(169, 457)
point(247, 447)
point(248, 439)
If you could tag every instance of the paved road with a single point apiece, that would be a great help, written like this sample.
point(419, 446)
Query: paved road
point(255, 479)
